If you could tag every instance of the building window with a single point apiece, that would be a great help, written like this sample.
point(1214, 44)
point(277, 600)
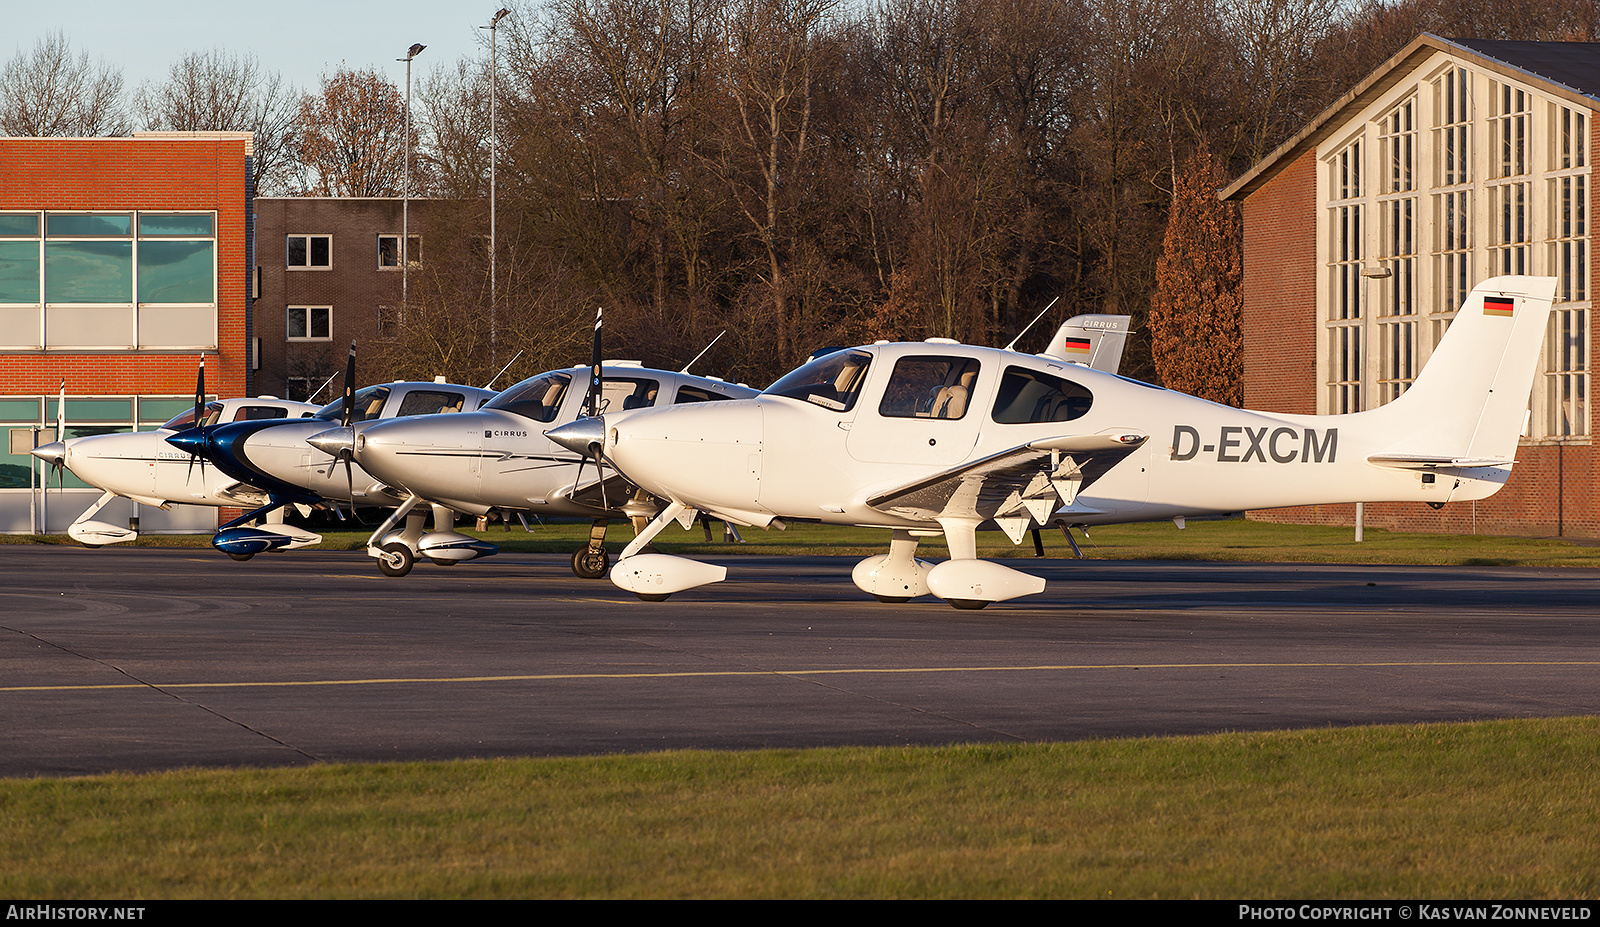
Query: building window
point(108, 280)
point(1452, 229)
point(1397, 308)
point(389, 251)
point(1454, 132)
point(310, 323)
point(309, 252)
point(388, 321)
point(1566, 381)
point(1346, 285)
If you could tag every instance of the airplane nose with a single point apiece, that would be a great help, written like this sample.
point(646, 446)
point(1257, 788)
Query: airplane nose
point(334, 441)
point(190, 440)
point(580, 436)
point(52, 453)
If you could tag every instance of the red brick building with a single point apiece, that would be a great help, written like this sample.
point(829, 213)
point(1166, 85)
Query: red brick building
point(122, 261)
point(1457, 160)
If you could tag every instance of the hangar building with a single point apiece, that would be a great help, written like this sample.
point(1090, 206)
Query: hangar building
point(1455, 161)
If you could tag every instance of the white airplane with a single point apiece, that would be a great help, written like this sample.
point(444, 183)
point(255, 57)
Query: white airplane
point(499, 457)
point(942, 438)
point(275, 457)
point(142, 466)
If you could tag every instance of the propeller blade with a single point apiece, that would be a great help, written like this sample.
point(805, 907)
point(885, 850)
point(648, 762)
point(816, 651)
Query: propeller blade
point(596, 380)
point(200, 393)
point(61, 412)
point(349, 409)
point(199, 419)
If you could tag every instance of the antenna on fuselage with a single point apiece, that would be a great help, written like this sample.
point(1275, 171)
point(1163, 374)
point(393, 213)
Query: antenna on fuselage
point(313, 396)
point(490, 384)
point(1013, 345)
point(703, 351)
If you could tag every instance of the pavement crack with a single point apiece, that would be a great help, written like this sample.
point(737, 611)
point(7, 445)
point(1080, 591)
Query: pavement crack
point(164, 691)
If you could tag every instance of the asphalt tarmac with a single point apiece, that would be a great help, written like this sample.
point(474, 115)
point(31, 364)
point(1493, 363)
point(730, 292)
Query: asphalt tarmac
point(141, 659)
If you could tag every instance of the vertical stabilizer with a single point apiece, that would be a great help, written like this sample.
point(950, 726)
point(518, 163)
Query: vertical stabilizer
point(1092, 340)
point(1472, 395)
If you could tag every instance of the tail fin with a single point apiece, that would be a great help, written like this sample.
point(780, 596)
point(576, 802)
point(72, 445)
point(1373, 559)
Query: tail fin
point(1491, 351)
point(1094, 340)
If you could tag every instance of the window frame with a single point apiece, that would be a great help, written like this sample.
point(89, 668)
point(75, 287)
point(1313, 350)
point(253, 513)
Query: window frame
point(307, 238)
point(288, 317)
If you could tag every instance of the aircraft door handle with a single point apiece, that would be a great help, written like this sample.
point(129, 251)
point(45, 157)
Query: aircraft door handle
point(845, 426)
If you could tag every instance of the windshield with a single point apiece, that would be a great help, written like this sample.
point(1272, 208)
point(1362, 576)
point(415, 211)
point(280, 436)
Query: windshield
point(832, 381)
point(368, 403)
point(538, 398)
point(208, 416)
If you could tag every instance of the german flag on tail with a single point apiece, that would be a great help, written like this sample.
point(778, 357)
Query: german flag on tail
point(1497, 305)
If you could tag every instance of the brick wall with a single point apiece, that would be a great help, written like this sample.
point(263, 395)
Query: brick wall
point(125, 174)
point(1279, 318)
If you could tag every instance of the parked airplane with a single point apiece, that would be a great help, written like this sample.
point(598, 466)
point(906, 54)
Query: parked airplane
point(141, 466)
point(942, 438)
point(499, 458)
point(275, 457)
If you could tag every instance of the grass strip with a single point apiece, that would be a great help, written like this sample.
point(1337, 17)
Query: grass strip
point(1234, 539)
point(1503, 809)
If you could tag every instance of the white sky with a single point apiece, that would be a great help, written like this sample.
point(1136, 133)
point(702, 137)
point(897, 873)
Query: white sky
point(298, 38)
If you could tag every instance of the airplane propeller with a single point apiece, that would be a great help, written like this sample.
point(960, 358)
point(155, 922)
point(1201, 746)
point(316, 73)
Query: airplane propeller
point(55, 454)
point(342, 447)
point(591, 405)
point(199, 419)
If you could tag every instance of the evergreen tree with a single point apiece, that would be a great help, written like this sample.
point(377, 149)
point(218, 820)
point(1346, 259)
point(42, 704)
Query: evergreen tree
point(1194, 315)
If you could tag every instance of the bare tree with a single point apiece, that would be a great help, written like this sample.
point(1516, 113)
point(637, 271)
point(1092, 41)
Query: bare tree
point(771, 65)
point(451, 107)
point(48, 91)
point(219, 91)
point(351, 136)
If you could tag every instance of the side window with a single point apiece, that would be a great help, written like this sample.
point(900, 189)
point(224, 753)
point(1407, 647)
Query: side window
point(929, 387)
point(256, 413)
point(696, 394)
point(430, 402)
point(1031, 396)
point(620, 393)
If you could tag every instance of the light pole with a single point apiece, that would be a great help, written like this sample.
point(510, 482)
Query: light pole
point(494, 156)
point(405, 191)
point(1368, 274)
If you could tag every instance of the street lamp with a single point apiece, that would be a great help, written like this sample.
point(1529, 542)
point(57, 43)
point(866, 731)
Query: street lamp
point(1379, 272)
point(494, 156)
point(405, 191)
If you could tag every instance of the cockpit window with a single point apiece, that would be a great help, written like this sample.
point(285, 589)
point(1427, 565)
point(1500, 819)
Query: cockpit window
point(208, 416)
point(929, 387)
point(832, 381)
point(538, 398)
point(257, 413)
point(431, 402)
point(368, 403)
point(1031, 396)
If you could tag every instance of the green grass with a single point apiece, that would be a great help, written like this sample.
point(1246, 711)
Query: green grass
point(1228, 539)
point(1494, 809)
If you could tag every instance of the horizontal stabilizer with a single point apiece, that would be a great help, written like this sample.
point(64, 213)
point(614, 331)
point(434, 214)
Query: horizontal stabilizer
point(1434, 462)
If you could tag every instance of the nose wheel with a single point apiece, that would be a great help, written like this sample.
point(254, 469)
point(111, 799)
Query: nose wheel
point(590, 562)
point(396, 559)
